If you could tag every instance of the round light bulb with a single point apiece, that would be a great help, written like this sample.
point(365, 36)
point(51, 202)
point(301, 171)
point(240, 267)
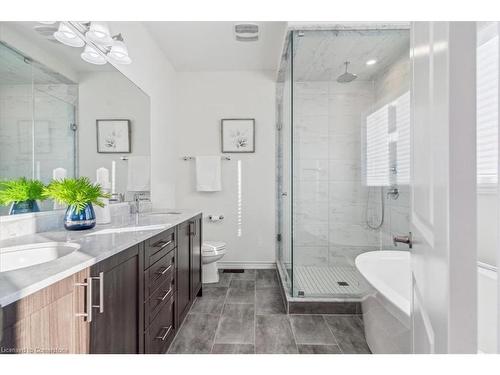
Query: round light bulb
point(90, 55)
point(99, 33)
point(119, 53)
point(67, 36)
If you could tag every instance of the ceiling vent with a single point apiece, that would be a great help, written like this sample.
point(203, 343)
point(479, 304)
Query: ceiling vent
point(47, 31)
point(246, 32)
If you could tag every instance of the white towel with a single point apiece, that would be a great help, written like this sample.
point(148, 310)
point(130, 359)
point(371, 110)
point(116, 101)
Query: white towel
point(139, 175)
point(208, 173)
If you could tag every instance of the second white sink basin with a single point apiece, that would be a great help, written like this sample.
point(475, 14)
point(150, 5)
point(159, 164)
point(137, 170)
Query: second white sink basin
point(129, 229)
point(15, 257)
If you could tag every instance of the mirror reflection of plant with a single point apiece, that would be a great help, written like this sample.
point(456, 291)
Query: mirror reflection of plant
point(77, 192)
point(21, 190)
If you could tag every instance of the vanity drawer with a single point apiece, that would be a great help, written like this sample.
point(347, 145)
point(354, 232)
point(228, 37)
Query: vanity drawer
point(158, 299)
point(161, 332)
point(159, 245)
point(160, 272)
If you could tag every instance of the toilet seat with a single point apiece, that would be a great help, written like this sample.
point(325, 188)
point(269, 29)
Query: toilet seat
point(209, 247)
point(211, 253)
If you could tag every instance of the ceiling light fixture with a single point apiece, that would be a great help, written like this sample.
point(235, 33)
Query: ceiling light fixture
point(91, 55)
point(99, 33)
point(119, 52)
point(100, 46)
point(67, 36)
point(371, 62)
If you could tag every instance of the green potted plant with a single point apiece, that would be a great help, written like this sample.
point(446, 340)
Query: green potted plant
point(22, 193)
point(79, 194)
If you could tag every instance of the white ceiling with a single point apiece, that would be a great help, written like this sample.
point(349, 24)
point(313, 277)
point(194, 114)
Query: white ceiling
point(211, 46)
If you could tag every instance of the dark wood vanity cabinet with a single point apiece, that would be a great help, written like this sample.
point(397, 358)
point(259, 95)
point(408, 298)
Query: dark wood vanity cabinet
point(196, 243)
point(132, 302)
point(116, 291)
point(188, 266)
point(183, 296)
point(159, 292)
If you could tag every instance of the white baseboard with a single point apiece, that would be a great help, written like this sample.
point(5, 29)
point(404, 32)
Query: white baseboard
point(246, 265)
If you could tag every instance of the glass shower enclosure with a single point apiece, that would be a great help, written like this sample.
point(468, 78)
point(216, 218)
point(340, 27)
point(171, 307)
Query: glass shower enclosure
point(343, 128)
point(37, 120)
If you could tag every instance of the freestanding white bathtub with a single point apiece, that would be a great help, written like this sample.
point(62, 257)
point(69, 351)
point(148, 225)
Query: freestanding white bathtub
point(386, 312)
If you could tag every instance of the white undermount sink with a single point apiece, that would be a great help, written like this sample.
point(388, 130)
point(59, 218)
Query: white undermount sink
point(137, 228)
point(16, 257)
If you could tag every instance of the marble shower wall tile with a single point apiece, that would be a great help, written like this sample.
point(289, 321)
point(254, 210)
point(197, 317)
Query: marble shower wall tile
point(357, 235)
point(311, 88)
point(329, 205)
point(311, 191)
point(344, 170)
point(310, 126)
point(311, 170)
point(310, 255)
point(345, 147)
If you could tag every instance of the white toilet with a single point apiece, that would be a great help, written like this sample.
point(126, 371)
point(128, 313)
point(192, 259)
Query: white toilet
point(211, 252)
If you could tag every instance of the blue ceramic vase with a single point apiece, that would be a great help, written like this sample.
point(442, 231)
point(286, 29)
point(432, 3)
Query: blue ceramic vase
point(24, 207)
point(80, 220)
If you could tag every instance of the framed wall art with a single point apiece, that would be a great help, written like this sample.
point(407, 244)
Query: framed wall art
point(113, 136)
point(238, 135)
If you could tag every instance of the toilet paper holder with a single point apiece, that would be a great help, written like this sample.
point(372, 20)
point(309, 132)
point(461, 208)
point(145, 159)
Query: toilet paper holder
point(215, 217)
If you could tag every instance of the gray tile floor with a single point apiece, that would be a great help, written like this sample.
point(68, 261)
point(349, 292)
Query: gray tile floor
point(244, 314)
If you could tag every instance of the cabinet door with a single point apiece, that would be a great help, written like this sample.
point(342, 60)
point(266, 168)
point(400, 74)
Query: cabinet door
point(44, 322)
point(183, 280)
point(195, 256)
point(116, 294)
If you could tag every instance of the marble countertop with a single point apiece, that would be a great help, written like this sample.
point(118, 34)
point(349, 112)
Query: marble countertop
point(96, 245)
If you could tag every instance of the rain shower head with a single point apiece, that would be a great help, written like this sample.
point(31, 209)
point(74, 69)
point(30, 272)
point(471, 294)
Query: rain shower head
point(346, 77)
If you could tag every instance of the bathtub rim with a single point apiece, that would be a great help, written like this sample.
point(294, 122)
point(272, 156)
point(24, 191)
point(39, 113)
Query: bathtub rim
point(380, 286)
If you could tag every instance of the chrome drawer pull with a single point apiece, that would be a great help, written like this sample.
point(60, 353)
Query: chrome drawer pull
point(164, 337)
point(88, 313)
point(165, 296)
point(162, 244)
point(101, 291)
point(164, 271)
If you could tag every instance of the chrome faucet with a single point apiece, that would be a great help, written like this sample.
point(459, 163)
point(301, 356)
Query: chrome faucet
point(138, 197)
point(408, 240)
point(137, 206)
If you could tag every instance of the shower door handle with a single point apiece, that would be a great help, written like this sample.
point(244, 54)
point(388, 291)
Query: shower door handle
point(403, 239)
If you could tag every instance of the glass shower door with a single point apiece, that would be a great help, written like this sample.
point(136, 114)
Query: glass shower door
point(284, 169)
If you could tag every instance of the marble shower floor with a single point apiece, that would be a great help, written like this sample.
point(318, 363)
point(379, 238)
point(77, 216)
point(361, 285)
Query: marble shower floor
point(319, 281)
point(244, 314)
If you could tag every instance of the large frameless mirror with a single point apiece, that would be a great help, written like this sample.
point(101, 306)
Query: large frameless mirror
point(53, 107)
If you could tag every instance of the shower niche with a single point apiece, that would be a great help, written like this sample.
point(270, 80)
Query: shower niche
point(342, 154)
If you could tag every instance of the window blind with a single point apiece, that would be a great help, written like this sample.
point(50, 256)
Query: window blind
point(377, 147)
point(390, 123)
point(487, 110)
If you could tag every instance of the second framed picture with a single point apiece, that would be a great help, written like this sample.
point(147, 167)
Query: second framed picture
point(238, 135)
point(113, 136)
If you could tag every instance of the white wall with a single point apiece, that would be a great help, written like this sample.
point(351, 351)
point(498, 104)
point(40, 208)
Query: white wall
point(110, 95)
point(155, 75)
point(248, 204)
